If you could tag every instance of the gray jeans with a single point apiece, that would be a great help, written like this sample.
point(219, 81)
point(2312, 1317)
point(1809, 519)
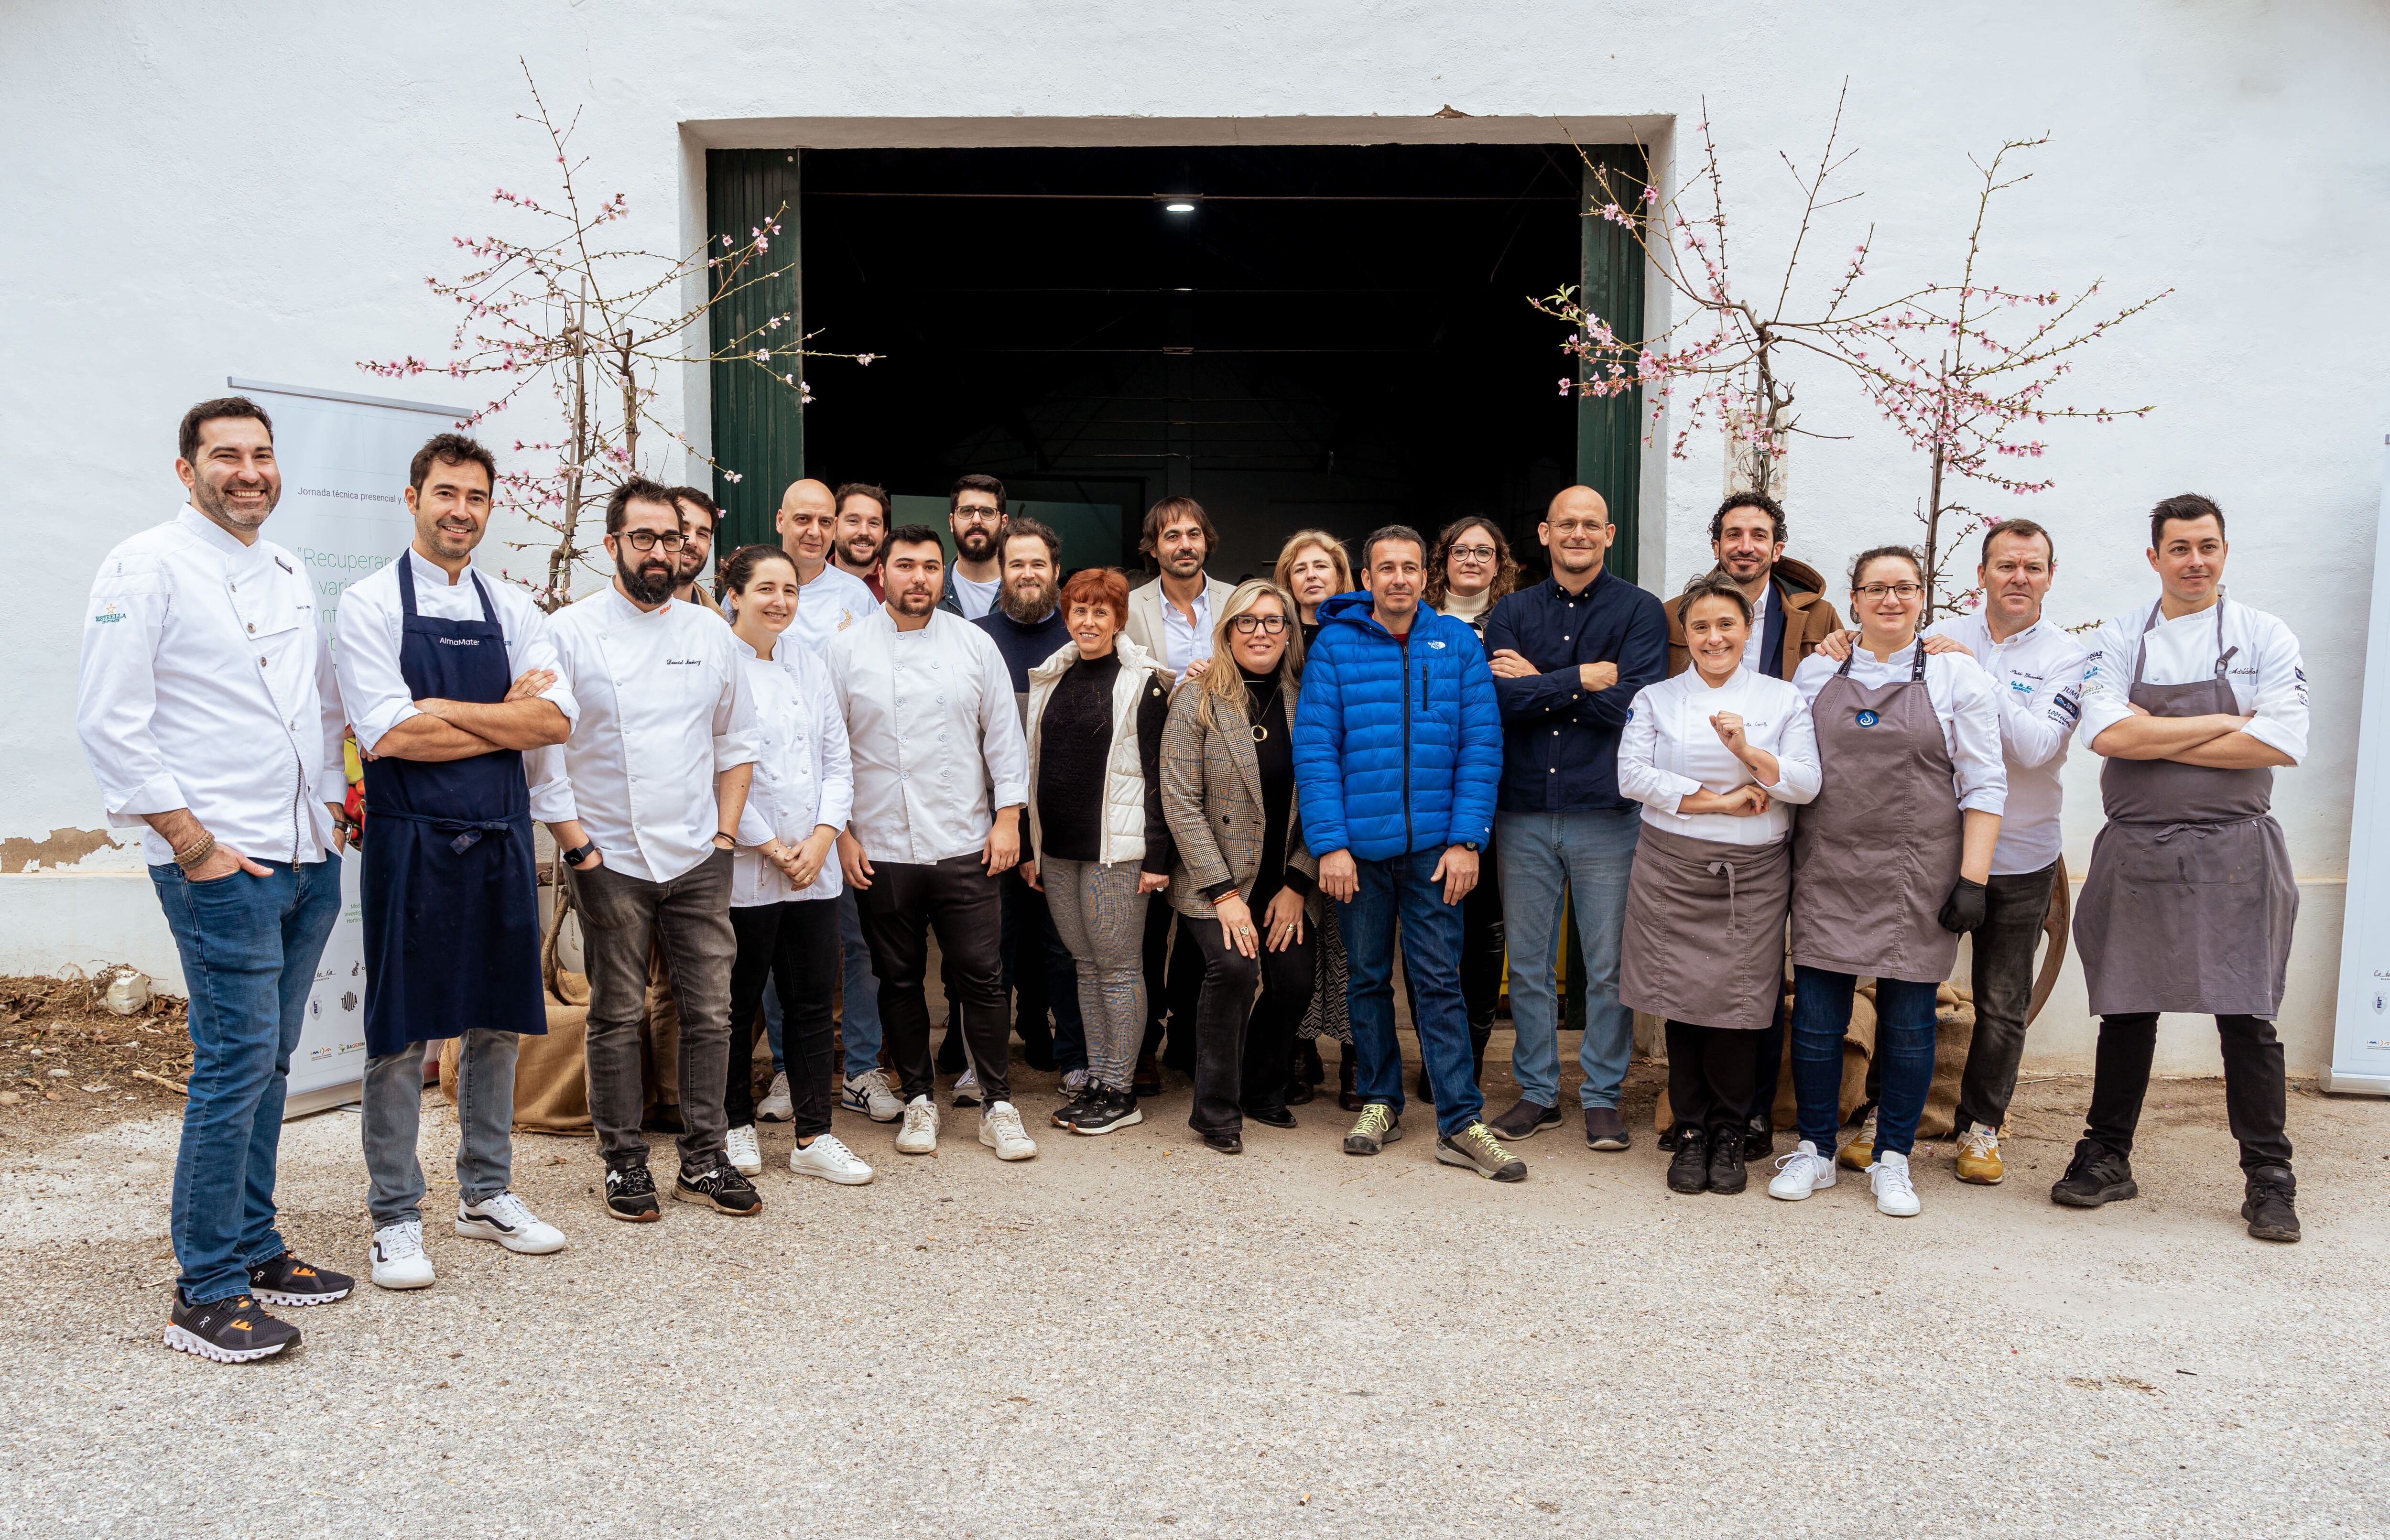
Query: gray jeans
point(1101, 917)
point(393, 1102)
point(621, 918)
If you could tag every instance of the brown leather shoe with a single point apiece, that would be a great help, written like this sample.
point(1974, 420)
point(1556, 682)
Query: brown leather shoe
point(1604, 1129)
point(1348, 1083)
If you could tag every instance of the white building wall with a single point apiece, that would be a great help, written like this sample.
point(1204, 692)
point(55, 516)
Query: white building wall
point(258, 190)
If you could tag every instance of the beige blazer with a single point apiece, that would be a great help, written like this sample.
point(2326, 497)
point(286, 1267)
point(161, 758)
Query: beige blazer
point(1144, 625)
point(1212, 800)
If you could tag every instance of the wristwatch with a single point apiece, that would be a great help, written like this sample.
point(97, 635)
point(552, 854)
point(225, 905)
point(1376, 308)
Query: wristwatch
point(575, 857)
point(1468, 845)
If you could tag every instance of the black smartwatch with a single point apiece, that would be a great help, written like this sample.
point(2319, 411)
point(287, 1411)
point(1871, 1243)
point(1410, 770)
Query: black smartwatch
point(575, 857)
point(1468, 845)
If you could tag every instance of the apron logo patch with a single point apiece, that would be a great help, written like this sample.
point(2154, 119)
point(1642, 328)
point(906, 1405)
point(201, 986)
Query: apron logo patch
point(460, 641)
point(1867, 719)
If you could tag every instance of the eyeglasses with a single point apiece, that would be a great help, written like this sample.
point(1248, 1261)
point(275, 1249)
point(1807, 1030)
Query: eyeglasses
point(1269, 625)
point(1473, 553)
point(1898, 590)
point(648, 540)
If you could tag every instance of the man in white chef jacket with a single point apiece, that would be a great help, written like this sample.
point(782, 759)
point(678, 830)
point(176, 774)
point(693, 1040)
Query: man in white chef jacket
point(212, 720)
point(940, 776)
point(2194, 702)
point(644, 801)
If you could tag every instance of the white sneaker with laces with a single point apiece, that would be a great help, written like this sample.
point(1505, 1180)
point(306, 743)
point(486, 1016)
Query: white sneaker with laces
point(1895, 1193)
point(920, 1135)
point(398, 1259)
point(1000, 1130)
point(870, 1095)
point(829, 1158)
point(967, 1088)
point(776, 1107)
point(1801, 1174)
point(746, 1155)
point(508, 1221)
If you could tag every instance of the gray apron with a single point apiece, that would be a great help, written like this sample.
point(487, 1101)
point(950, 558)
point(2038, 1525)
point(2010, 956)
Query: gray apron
point(1875, 856)
point(1704, 929)
point(2189, 900)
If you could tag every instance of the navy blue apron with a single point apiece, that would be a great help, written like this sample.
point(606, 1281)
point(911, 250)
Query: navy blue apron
point(451, 900)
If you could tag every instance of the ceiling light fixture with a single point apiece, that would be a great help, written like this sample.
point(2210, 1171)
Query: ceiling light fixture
point(1180, 203)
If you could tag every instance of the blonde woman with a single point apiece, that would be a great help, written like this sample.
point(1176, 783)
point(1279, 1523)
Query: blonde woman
point(1312, 567)
point(1244, 877)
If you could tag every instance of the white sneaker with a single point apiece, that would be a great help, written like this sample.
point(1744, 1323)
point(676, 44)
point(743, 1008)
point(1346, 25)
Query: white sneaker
point(1000, 1130)
point(745, 1154)
point(1895, 1193)
point(826, 1157)
point(870, 1095)
point(1801, 1174)
point(967, 1088)
point(776, 1107)
point(508, 1221)
point(920, 1135)
point(398, 1259)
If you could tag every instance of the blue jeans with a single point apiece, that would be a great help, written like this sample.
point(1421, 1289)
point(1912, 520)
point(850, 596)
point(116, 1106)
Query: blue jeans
point(1904, 1045)
point(858, 1015)
point(248, 946)
point(1401, 888)
point(1587, 858)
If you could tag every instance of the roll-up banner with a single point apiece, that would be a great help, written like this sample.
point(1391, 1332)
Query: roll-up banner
point(343, 515)
point(2360, 1039)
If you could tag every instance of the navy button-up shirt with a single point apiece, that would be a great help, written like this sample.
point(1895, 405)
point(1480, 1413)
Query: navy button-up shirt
point(1560, 741)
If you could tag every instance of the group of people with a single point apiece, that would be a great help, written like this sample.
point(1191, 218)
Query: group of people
point(1189, 822)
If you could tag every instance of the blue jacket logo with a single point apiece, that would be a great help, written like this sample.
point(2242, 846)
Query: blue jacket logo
point(1867, 719)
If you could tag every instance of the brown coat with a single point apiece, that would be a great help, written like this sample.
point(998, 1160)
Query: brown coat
point(1809, 617)
point(1212, 798)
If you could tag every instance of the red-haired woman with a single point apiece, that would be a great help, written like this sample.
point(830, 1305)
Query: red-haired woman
point(1097, 844)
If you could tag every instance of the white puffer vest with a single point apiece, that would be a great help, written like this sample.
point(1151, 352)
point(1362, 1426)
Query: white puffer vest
point(1124, 837)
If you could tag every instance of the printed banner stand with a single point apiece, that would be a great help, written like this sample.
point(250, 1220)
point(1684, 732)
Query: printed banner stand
point(2360, 1039)
point(343, 515)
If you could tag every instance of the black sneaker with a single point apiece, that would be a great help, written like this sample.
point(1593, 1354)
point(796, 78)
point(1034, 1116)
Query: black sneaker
point(2097, 1175)
point(1227, 1144)
point(1689, 1170)
point(1759, 1138)
point(1524, 1120)
point(2268, 1207)
point(288, 1280)
point(722, 1189)
point(237, 1330)
point(1726, 1172)
point(1079, 1105)
point(1113, 1111)
point(631, 1194)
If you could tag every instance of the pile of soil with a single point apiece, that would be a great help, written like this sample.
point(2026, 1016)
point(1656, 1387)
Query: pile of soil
point(66, 1061)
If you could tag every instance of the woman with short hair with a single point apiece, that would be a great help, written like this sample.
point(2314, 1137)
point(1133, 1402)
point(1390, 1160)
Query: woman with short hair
point(1889, 864)
point(1312, 567)
point(1244, 876)
point(1098, 842)
point(1717, 756)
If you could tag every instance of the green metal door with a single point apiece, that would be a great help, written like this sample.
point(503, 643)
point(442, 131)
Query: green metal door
point(759, 429)
point(1610, 429)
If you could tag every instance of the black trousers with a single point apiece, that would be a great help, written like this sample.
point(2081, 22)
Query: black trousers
point(956, 898)
point(1710, 1071)
point(2014, 907)
point(1173, 983)
point(2255, 1094)
point(1244, 1047)
point(1482, 948)
point(796, 946)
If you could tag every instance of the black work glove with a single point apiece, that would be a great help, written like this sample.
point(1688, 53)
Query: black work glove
point(1963, 910)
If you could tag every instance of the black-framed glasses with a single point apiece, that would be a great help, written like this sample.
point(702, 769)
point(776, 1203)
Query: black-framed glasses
point(1473, 553)
point(1898, 590)
point(1269, 625)
point(648, 540)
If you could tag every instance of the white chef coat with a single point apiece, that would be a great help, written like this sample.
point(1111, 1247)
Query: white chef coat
point(1184, 641)
point(1668, 750)
point(207, 684)
point(802, 777)
point(831, 602)
point(2267, 675)
point(665, 709)
point(372, 624)
point(1963, 700)
point(974, 597)
point(935, 735)
point(2038, 678)
point(1755, 643)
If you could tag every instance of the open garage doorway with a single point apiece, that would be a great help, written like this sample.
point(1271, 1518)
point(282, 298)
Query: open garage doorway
point(1332, 336)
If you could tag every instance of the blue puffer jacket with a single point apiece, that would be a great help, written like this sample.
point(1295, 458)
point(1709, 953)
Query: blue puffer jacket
point(1396, 748)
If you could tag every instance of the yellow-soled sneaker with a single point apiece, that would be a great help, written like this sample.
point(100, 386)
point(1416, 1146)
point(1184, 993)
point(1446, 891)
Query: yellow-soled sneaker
point(1979, 1156)
point(1858, 1152)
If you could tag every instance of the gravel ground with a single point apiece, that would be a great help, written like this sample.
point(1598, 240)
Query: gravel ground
point(1131, 1336)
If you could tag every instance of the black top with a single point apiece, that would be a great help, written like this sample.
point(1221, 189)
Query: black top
point(1024, 646)
point(1274, 757)
point(1074, 745)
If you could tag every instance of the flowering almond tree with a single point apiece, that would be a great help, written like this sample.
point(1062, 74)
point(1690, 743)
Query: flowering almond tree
point(597, 324)
point(1965, 370)
point(1731, 354)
